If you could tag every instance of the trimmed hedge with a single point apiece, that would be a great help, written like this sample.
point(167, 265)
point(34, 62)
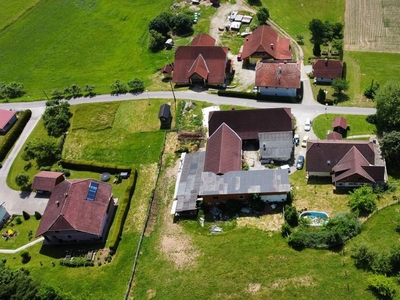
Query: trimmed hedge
point(14, 133)
point(76, 262)
point(122, 212)
point(81, 165)
point(257, 96)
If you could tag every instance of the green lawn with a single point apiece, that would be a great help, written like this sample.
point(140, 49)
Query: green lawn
point(123, 133)
point(12, 10)
point(358, 125)
point(22, 236)
point(58, 43)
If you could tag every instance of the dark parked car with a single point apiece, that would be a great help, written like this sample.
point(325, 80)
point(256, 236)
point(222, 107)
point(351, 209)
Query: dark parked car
point(300, 162)
point(296, 139)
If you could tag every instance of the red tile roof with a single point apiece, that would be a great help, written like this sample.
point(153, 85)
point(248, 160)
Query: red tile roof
point(203, 39)
point(5, 117)
point(266, 40)
point(282, 75)
point(248, 123)
point(334, 136)
point(323, 155)
point(68, 208)
point(340, 122)
point(354, 163)
point(223, 151)
point(208, 62)
point(46, 181)
point(168, 68)
point(327, 68)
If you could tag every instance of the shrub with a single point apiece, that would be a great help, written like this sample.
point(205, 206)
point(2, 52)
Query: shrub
point(18, 220)
point(296, 240)
point(76, 262)
point(286, 230)
point(38, 215)
point(291, 216)
point(45, 168)
point(362, 200)
point(26, 215)
point(14, 133)
point(22, 180)
point(26, 257)
point(363, 256)
point(371, 119)
point(382, 285)
point(81, 165)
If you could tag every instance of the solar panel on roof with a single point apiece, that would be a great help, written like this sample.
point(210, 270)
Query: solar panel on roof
point(92, 191)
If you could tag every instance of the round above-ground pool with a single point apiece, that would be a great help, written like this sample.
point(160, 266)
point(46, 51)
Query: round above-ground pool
point(316, 218)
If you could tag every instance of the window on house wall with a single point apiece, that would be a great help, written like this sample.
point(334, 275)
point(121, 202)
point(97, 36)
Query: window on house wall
point(215, 197)
point(241, 197)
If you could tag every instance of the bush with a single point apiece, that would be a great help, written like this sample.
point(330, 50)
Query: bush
point(26, 215)
point(362, 200)
point(18, 220)
point(14, 134)
point(38, 215)
point(76, 262)
point(45, 168)
point(122, 212)
point(363, 256)
point(371, 119)
point(26, 257)
point(286, 230)
point(291, 216)
point(381, 285)
point(136, 86)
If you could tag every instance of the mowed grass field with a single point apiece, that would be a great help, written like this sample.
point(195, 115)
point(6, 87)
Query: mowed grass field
point(58, 43)
point(121, 133)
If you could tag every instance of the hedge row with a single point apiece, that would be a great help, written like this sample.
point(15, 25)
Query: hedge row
point(257, 96)
point(81, 165)
point(122, 212)
point(76, 262)
point(14, 133)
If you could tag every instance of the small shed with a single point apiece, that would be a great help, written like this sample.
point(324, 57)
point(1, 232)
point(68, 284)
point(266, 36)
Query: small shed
point(45, 181)
point(165, 116)
point(339, 125)
point(167, 70)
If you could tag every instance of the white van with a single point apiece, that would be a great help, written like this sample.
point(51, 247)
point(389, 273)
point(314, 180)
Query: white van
point(285, 167)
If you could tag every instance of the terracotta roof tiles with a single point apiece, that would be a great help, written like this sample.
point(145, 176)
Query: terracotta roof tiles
point(328, 68)
point(282, 75)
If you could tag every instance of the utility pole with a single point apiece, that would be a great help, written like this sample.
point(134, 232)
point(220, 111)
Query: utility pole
point(173, 93)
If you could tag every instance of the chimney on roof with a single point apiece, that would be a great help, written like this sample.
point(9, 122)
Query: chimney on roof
point(272, 46)
point(247, 39)
point(326, 61)
point(58, 203)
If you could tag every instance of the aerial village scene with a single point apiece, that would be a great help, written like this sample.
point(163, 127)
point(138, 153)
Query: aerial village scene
point(199, 149)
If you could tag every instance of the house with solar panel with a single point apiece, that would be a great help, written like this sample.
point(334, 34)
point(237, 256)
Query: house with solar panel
point(77, 211)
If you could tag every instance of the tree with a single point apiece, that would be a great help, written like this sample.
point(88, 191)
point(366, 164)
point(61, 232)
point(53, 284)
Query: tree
point(11, 90)
point(162, 23)
point(26, 257)
point(371, 90)
point(262, 15)
point(363, 256)
point(300, 39)
point(388, 106)
point(57, 94)
point(89, 89)
point(255, 203)
point(390, 147)
point(22, 180)
point(291, 215)
point(317, 28)
point(182, 23)
point(118, 87)
point(156, 41)
point(46, 152)
point(56, 117)
point(136, 86)
point(321, 96)
point(340, 85)
point(362, 200)
point(382, 285)
point(75, 90)
point(16, 284)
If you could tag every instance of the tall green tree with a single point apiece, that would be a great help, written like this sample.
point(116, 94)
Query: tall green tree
point(182, 24)
point(362, 200)
point(22, 180)
point(45, 152)
point(162, 23)
point(340, 85)
point(388, 106)
point(56, 117)
point(263, 15)
point(118, 87)
point(390, 147)
point(317, 28)
point(156, 41)
point(136, 86)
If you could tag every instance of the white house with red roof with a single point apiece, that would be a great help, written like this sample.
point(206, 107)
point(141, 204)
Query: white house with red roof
point(278, 79)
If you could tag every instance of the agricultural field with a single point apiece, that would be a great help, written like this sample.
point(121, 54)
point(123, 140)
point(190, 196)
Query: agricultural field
point(372, 25)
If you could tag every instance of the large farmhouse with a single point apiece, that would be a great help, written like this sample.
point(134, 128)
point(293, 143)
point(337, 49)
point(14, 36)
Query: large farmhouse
point(201, 63)
point(265, 43)
point(77, 211)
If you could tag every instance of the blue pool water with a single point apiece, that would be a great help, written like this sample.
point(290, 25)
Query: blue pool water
point(317, 218)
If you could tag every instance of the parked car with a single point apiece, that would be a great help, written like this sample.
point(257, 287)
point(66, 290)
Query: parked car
point(239, 57)
point(285, 167)
point(300, 162)
point(296, 139)
point(307, 126)
point(304, 141)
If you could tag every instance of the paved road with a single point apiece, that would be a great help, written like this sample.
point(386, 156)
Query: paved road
point(16, 202)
